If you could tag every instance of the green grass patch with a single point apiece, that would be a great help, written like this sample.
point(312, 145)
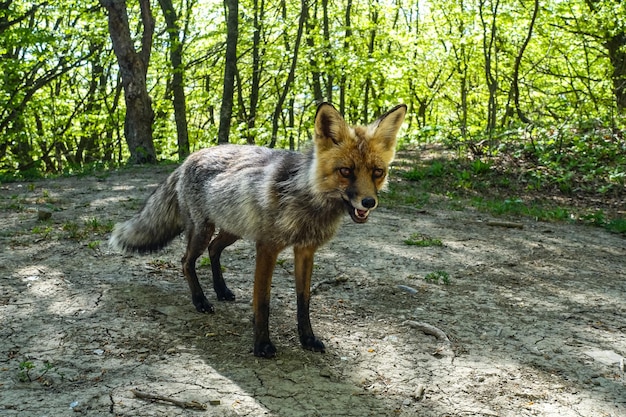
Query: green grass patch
point(421, 240)
point(616, 226)
point(438, 277)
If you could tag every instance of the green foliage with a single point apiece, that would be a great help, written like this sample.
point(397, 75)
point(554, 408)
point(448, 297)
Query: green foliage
point(617, 226)
point(30, 372)
point(518, 207)
point(73, 230)
point(205, 262)
point(434, 170)
point(94, 225)
point(61, 110)
point(93, 245)
point(421, 240)
point(437, 276)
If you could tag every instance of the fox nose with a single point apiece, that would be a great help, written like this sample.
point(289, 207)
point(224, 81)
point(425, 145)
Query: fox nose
point(368, 202)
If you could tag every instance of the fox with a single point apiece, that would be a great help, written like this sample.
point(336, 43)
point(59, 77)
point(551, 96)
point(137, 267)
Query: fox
point(274, 197)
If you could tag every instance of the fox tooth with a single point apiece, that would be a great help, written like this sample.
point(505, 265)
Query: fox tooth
point(361, 214)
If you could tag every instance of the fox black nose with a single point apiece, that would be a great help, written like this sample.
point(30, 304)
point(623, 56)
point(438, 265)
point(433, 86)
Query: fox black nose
point(368, 202)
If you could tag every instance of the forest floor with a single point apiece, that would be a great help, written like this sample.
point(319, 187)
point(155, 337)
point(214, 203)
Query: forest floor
point(526, 318)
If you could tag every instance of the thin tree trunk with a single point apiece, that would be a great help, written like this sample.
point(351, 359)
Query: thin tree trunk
point(491, 80)
point(292, 72)
point(328, 56)
point(230, 70)
point(259, 14)
point(318, 95)
point(615, 44)
point(346, 48)
point(133, 68)
point(370, 51)
point(87, 149)
point(178, 83)
point(616, 47)
point(515, 76)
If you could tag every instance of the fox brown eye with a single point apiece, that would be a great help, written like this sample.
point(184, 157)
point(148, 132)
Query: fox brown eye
point(345, 172)
point(378, 173)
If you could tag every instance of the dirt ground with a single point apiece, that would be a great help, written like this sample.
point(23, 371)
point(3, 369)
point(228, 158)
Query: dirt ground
point(524, 321)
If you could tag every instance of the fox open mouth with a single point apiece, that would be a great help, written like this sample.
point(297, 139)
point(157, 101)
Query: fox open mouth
point(357, 215)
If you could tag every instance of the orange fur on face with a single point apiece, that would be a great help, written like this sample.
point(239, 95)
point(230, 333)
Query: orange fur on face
point(364, 149)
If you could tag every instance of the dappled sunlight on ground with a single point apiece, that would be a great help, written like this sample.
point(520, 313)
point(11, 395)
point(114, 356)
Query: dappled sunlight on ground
point(535, 317)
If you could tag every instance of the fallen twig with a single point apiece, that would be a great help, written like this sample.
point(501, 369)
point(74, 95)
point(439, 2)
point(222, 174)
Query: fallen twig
point(510, 225)
point(331, 281)
point(155, 397)
point(444, 348)
point(429, 329)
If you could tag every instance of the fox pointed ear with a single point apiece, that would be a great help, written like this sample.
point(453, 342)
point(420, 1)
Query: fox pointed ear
point(330, 127)
point(386, 127)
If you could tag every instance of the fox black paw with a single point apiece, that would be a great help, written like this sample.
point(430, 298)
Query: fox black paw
point(203, 305)
point(312, 343)
point(225, 295)
point(264, 350)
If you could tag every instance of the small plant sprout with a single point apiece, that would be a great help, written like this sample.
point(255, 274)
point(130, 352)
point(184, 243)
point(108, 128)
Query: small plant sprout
point(421, 240)
point(94, 244)
point(205, 261)
point(436, 276)
point(28, 371)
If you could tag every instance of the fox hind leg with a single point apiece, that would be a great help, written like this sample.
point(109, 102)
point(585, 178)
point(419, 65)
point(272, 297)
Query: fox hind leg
point(198, 239)
point(217, 245)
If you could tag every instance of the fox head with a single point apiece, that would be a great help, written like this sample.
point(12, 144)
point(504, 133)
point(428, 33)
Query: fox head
point(352, 161)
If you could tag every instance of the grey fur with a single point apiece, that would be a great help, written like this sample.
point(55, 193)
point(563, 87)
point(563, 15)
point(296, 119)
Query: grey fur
point(249, 191)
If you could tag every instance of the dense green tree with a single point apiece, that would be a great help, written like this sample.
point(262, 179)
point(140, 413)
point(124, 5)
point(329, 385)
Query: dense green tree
point(469, 71)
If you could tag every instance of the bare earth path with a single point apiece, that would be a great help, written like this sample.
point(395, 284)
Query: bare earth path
point(535, 317)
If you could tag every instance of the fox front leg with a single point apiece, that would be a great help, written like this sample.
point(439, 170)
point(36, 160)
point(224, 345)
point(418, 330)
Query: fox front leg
point(266, 256)
point(303, 272)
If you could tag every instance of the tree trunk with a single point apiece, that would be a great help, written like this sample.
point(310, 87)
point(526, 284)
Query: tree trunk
point(616, 47)
point(87, 149)
point(230, 69)
point(133, 69)
point(328, 55)
point(259, 13)
point(615, 44)
point(518, 61)
point(346, 48)
point(370, 52)
point(178, 83)
point(488, 52)
point(316, 75)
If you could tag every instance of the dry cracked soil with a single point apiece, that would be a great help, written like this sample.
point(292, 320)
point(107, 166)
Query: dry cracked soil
point(512, 321)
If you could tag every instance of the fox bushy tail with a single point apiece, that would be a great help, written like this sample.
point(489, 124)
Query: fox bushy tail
point(158, 222)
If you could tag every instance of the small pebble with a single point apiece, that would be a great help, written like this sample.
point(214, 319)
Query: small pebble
point(44, 214)
point(408, 289)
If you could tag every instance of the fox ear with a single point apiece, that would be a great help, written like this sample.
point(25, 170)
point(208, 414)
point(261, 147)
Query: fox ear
point(329, 125)
point(386, 127)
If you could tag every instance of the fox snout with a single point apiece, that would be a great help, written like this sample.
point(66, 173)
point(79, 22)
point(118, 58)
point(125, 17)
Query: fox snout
point(359, 208)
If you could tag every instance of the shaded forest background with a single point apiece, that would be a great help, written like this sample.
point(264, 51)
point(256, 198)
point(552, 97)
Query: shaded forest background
point(537, 86)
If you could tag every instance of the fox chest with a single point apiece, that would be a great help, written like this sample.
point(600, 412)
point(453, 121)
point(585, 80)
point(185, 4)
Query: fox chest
point(306, 227)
